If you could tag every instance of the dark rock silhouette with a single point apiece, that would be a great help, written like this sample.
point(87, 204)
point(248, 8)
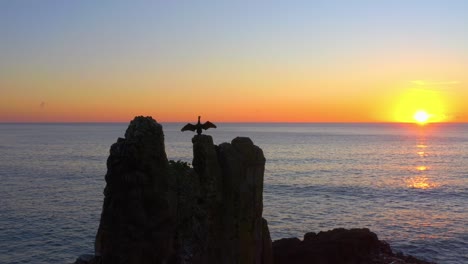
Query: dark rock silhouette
point(156, 211)
point(229, 225)
point(138, 217)
point(159, 211)
point(338, 246)
point(242, 164)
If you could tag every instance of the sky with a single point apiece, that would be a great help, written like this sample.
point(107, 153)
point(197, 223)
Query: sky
point(233, 61)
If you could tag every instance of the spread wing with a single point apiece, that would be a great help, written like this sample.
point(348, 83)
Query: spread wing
point(189, 127)
point(207, 125)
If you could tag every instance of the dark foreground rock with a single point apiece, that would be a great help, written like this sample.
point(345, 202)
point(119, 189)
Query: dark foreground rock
point(156, 211)
point(138, 217)
point(338, 246)
point(160, 211)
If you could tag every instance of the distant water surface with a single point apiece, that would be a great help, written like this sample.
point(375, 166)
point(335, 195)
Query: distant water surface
point(409, 184)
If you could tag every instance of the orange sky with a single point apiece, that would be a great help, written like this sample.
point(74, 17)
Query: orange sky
point(71, 63)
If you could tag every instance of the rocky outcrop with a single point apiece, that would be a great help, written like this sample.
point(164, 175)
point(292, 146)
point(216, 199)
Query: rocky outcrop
point(138, 217)
point(228, 225)
point(338, 246)
point(242, 164)
point(159, 211)
point(156, 211)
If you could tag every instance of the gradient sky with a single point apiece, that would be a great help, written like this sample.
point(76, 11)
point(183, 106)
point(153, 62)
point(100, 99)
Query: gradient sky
point(293, 61)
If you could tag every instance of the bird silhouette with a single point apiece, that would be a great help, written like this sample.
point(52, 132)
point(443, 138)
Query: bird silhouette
point(198, 127)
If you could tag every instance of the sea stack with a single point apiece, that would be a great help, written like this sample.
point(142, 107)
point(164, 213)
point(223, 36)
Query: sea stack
point(164, 212)
point(138, 217)
point(156, 211)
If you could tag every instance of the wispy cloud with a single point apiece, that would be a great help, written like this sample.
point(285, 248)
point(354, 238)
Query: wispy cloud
point(434, 83)
point(42, 105)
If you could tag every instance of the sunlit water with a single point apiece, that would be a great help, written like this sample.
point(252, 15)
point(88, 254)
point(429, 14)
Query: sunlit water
point(408, 184)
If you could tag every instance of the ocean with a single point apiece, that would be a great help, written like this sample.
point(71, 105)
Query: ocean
point(407, 183)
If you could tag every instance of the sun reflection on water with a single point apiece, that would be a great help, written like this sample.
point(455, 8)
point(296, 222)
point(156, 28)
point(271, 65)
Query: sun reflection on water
point(420, 182)
point(421, 168)
point(421, 179)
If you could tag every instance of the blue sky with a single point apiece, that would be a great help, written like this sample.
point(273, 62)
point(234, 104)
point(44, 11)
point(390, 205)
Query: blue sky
point(84, 40)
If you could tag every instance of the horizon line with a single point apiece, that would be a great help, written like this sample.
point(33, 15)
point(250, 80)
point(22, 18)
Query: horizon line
point(231, 122)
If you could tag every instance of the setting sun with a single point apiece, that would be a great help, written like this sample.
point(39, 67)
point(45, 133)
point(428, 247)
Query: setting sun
point(422, 106)
point(421, 117)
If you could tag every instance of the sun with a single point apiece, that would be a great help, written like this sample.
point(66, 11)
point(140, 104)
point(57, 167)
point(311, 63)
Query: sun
point(421, 116)
point(421, 106)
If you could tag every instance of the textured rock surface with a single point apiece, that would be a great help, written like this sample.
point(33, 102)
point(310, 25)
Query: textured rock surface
point(338, 246)
point(156, 211)
point(230, 225)
point(242, 164)
point(139, 211)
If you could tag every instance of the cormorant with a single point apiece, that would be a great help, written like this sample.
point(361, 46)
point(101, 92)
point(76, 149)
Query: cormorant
point(198, 127)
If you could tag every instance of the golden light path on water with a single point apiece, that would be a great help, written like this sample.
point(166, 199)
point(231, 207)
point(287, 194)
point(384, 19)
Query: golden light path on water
point(421, 179)
point(420, 182)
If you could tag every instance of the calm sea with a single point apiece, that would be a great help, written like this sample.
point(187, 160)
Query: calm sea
point(408, 184)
